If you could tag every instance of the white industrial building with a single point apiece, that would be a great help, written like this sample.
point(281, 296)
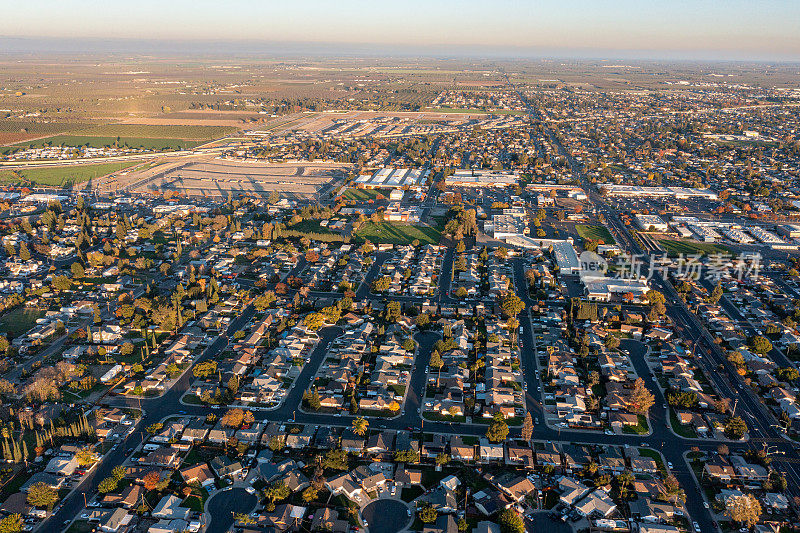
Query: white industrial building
point(566, 258)
point(646, 222)
point(767, 237)
point(391, 178)
point(482, 178)
point(656, 192)
point(790, 230)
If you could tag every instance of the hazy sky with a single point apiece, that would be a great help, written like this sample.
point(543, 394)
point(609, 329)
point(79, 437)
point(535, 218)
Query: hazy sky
point(766, 29)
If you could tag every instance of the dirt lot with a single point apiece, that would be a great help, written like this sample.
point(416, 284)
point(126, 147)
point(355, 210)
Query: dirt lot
point(218, 177)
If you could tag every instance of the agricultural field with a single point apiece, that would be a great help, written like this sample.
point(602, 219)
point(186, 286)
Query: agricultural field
point(145, 136)
point(62, 176)
point(15, 131)
point(594, 233)
point(145, 143)
point(689, 247)
point(397, 233)
point(188, 133)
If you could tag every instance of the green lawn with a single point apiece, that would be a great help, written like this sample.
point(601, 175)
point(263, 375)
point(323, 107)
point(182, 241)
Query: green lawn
point(689, 247)
point(397, 233)
point(362, 195)
point(594, 233)
point(309, 226)
point(19, 320)
point(197, 499)
point(639, 429)
point(60, 176)
point(680, 429)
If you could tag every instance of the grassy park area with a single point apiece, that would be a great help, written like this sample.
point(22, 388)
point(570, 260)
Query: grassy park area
point(594, 233)
point(689, 247)
point(64, 175)
point(397, 233)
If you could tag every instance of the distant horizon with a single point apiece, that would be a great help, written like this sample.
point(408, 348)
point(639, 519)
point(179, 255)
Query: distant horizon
point(737, 30)
point(20, 45)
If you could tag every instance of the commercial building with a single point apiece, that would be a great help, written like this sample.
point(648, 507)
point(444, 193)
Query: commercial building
point(483, 178)
point(767, 237)
point(790, 230)
point(391, 177)
point(512, 223)
point(566, 258)
point(611, 189)
point(648, 222)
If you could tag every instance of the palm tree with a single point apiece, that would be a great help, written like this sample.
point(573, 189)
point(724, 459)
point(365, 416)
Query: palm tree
point(360, 426)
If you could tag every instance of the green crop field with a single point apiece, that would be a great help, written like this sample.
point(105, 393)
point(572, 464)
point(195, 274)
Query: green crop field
point(687, 247)
point(594, 233)
point(397, 233)
point(186, 133)
point(146, 143)
point(61, 176)
point(39, 128)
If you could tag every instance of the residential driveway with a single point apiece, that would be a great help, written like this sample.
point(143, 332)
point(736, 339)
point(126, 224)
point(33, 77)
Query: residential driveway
point(223, 504)
point(386, 516)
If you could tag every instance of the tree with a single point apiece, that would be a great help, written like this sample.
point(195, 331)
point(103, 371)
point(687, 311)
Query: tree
point(527, 427)
point(151, 480)
point(41, 495)
point(511, 304)
point(735, 428)
point(24, 253)
point(760, 344)
point(640, 400)
point(462, 525)
point(787, 374)
point(438, 363)
point(85, 457)
point(11, 524)
point(310, 494)
point(336, 460)
point(428, 514)
point(277, 491)
point(314, 321)
point(461, 293)
point(498, 429)
point(716, 294)
point(510, 521)
point(381, 284)
point(744, 509)
point(233, 418)
point(204, 369)
point(77, 270)
point(263, 301)
point(107, 485)
point(360, 426)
